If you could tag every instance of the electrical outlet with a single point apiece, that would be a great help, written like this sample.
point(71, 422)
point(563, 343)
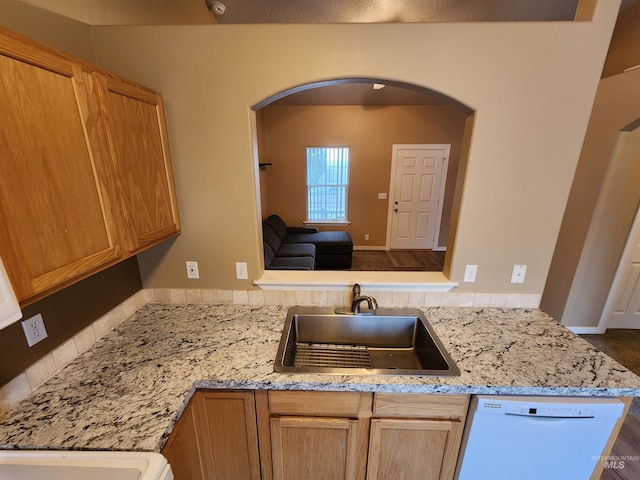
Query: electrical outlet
point(34, 329)
point(241, 271)
point(192, 270)
point(519, 271)
point(366, 236)
point(470, 273)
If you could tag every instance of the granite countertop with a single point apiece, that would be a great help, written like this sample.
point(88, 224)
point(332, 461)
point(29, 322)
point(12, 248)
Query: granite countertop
point(127, 391)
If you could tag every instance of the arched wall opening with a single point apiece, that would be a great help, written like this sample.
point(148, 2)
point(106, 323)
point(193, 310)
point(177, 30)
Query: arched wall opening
point(370, 121)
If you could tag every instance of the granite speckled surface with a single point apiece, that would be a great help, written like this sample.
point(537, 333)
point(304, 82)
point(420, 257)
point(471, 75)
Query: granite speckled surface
point(126, 392)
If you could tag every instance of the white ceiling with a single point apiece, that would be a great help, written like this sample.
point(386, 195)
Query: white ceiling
point(194, 12)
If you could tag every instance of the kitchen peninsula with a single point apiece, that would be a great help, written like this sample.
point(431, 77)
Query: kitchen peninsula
point(127, 391)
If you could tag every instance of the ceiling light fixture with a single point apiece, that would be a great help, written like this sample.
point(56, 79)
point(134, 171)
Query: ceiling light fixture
point(378, 86)
point(217, 8)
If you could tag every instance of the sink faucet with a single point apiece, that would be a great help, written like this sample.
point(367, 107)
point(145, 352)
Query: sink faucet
point(357, 299)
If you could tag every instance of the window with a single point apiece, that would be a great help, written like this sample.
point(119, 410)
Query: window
point(327, 184)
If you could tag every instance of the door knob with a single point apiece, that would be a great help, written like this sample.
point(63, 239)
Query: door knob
point(395, 210)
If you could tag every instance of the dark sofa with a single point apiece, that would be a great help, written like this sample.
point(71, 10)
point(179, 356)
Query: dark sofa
point(304, 248)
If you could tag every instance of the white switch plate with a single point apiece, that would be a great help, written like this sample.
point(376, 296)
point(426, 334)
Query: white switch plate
point(519, 271)
point(34, 329)
point(241, 271)
point(192, 270)
point(382, 196)
point(470, 273)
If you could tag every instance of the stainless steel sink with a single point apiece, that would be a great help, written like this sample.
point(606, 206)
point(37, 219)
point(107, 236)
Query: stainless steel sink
point(387, 342)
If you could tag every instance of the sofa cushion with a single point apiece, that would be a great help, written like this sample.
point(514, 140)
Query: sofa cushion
point(296, 250)
point(292, 263)
point(271, 237)
point(327, 243)
point(273, 262)
point(269, 254)
point(277, 224)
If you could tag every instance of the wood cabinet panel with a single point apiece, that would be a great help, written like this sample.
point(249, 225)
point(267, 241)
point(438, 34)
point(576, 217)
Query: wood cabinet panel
point(228, 432)
point(420, 405)
point(138, 145)
point(56, 212)
point(351, 406)
point(413, 448)
point(264, 433)
point(183, 450)
point(85, 176)
point(314, 448)
point(319, 403)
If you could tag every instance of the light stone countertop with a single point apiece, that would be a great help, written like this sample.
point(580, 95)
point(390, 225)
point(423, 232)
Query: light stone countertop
point(127, 391)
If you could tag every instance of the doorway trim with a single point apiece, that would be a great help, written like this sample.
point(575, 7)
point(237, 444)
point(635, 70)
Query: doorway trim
point(443, 182)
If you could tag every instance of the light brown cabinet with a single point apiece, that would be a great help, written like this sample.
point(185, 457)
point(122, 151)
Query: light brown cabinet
point(416, 436)
point(85, 176)
point(56, 197)
point(314, 447)
point(373, 436)
point(317, 435)
point(184, 449)
point(138, 148)
point(216, 438)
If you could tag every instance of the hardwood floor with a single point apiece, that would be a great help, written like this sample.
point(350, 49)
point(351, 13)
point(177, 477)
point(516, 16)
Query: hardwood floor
point(625, 456)
point(622, 345)
point(426, 260)
point(398, 260)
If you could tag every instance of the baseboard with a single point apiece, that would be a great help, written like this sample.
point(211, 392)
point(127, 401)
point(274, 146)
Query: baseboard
point(383, 247)
point(586, 330)
point(629, 324)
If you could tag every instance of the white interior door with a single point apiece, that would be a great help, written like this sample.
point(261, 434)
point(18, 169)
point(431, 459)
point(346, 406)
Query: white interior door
point(417, 188)
point(622, 309)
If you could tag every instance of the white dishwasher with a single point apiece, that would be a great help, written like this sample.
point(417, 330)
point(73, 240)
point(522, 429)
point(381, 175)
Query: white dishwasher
point(533, 438)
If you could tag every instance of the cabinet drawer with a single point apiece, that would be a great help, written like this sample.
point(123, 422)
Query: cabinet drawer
point(420, 405)
point(340, 404)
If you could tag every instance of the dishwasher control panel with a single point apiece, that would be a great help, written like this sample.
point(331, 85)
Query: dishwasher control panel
point(545, 411)
point(551, 407)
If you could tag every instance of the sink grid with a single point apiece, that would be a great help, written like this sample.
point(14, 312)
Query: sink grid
point(329, 355)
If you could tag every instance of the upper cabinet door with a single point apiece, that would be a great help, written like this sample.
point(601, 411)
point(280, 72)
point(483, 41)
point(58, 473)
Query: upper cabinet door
point(56, 216)
point(137, 139)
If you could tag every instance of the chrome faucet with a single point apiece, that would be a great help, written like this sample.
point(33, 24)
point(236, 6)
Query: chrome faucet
point(357, 299)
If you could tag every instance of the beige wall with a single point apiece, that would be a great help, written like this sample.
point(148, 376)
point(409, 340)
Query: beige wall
point(531, 85)
point(65, 34)
point(589, 245)
point(370, 132)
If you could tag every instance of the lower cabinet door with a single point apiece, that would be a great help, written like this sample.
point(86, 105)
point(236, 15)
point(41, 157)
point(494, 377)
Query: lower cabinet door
point(216, 438)
point(183, 450)
point(314, 448)
point(413, 449)
point(228, 434)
